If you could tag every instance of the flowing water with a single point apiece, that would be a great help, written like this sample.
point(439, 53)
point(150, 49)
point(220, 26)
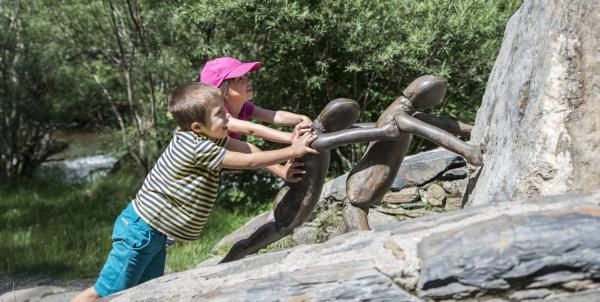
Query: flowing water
point(83, 160)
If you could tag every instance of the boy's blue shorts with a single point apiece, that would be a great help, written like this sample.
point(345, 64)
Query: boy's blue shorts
point(138, 254)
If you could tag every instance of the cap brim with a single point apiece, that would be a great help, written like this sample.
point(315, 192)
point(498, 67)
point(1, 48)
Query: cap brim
point(243, 69)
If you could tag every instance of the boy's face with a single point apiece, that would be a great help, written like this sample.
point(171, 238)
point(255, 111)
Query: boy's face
point(217, 122)
point(240, 90)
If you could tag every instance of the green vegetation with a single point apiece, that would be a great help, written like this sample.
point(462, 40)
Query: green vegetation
point(49, 228)
point(108, 65)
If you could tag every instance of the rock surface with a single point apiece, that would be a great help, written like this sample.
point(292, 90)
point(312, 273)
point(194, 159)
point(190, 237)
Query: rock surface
point(539, 118)
point(509, 248)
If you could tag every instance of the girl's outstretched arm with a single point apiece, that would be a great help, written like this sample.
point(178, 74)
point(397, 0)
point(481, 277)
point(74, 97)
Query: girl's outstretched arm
point(264, 132)
point(244, 155)
point(279, 117)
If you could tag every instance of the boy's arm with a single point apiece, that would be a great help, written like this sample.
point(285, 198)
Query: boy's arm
point(279, 117)
point(249, 128)
point(238, 158)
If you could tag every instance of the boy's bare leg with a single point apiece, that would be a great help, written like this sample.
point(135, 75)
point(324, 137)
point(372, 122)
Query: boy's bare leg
point(89, 294)
point(409, 124)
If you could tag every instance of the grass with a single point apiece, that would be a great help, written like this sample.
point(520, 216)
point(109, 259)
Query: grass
point(57, 230)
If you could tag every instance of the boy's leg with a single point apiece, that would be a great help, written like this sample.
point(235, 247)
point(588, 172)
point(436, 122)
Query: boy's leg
point(156, 267)
point(134, 246)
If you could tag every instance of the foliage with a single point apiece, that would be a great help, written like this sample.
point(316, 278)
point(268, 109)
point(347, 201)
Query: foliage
point(52, 229)
point(118, 59)
point(30, 105)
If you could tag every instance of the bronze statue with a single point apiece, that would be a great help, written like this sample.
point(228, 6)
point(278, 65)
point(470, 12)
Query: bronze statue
point(300, 199)
point(374, 174)
point(393, 133)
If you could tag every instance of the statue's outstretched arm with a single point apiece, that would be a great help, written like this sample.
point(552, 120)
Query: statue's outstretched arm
point(329, 141)
point(409, 124)
point(452, 126)
point(363, 125)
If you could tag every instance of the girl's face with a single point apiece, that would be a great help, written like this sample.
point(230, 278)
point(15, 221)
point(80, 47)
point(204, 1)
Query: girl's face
point(240, 90)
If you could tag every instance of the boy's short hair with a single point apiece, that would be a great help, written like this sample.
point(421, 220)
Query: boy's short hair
point(191, 103)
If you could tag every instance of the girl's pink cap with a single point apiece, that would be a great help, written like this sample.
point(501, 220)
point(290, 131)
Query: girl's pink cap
point(220, 69)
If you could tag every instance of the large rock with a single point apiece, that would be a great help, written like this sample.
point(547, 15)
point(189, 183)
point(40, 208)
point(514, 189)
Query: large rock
point(540, 116)
point(499, 251)
point(415, 170)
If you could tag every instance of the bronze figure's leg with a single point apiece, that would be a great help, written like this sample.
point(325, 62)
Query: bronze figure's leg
point(355, 218)
point(263, 236)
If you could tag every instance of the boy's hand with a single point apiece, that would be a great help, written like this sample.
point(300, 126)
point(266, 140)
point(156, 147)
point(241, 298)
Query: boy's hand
point(293, 171)
point(299, 126)
point(301, 142)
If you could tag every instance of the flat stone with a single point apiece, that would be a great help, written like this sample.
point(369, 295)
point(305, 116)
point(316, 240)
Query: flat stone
point(434, 195)
point(405, 195)
point(423, 167)
point(556, 278)
point(453, 204)
point(455, 188)
point(530, 294)
point(584, 296)
point(456, 173)
point(378, 219)
point(305, 235)
point(412, 205)
point(335, 188)
point(402, 212)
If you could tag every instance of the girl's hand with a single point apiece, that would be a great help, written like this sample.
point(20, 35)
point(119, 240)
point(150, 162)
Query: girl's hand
point(305, 119)
point(293, 171)
point(301, 125)
point(301, 142)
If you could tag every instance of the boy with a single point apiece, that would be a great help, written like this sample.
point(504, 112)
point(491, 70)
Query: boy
point(179, 192)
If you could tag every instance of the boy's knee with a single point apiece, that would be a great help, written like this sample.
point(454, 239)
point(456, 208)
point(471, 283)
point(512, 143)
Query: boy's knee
point(89, 294)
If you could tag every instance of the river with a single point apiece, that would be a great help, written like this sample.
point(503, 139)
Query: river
point(82, 161)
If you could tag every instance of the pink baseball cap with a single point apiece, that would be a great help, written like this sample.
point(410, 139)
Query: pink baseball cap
point(220, 69)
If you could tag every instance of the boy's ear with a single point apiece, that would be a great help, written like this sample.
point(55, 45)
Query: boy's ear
point(196, 127)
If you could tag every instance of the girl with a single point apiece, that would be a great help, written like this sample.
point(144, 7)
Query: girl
point(231, 76)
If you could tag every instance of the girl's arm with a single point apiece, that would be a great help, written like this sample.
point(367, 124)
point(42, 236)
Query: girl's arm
point(239, 158)
point(279, 117)
point(264, 132)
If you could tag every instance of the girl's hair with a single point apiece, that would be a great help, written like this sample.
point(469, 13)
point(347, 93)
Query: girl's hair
point(224, 88)
point(192, 102)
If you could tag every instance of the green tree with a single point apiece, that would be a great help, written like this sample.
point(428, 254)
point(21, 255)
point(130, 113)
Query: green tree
point(30, 71)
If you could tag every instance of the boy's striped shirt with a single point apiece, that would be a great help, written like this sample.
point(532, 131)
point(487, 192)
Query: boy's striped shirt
point(179, 192)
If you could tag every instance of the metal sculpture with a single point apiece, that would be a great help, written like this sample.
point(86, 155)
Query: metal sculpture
point(392, 133)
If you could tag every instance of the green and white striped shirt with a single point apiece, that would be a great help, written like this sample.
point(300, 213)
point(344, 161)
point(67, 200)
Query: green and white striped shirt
point(179, 192)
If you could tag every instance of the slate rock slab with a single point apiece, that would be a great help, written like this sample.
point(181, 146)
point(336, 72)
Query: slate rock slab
point(484, 253)
point(351, 281)
point(423, 167)
point(511, 252)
